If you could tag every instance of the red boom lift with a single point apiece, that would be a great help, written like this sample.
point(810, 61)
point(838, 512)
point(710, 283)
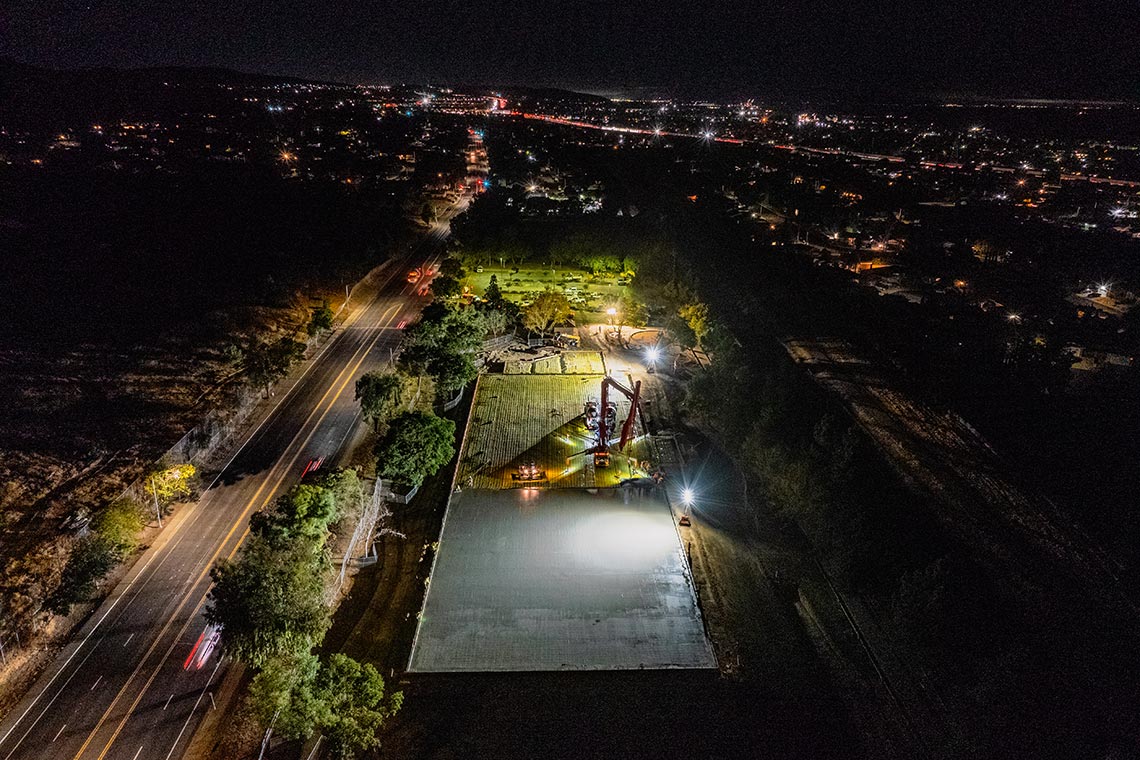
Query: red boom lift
point(606, 421)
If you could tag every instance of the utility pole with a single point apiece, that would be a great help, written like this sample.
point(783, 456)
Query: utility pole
point(157, 511)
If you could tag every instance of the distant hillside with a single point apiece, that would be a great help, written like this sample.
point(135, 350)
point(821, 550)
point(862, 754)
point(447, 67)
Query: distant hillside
point(547, 94)
point(40, 98)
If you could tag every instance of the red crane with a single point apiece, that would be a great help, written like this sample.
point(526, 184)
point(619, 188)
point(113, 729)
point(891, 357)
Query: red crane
point(601, 449)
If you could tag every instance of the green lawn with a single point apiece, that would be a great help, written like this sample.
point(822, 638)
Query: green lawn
point(589, 294)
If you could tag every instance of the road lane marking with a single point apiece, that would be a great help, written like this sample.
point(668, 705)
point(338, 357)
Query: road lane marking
point(169, 540)
point(362, 352)
point(97, 680)
point(351, 374)
point(128, 641)
point(136, 757)
point(163, 541)
point(193, 710)
point(167, 702)
point(242, 518)
point(57, 733)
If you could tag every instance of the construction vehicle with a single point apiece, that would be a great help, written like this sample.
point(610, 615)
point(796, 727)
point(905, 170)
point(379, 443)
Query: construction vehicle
point(602, 418)
point(528, 472)
point(590, 413)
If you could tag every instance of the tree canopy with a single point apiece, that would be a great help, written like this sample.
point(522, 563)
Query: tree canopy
point(321, 320)
point(346, 700)
point(445, 286)
point(548, 309)
point(305, 512)
point(380, 395)
point(493, 294)
point(696, 315)
point(440, 345)
point(354, 695)
point(452, 267)
point(269, 601)
point(452, 371)
point(266, 363)
point(416, 445)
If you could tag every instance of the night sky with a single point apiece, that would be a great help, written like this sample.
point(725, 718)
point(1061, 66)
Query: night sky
point(810, 48)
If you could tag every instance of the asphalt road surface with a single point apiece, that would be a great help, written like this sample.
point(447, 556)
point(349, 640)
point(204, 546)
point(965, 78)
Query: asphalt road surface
point(121, 688)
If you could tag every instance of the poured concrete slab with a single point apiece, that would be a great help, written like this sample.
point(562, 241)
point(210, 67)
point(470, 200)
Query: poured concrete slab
point(529, 580)
point(538, 418)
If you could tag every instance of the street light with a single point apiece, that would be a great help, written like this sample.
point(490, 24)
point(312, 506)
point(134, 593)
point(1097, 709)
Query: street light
point(687, 501)
point(652, 354)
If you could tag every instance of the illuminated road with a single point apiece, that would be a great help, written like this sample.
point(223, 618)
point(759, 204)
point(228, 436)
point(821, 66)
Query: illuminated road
point(119, 689)
point(840, 152)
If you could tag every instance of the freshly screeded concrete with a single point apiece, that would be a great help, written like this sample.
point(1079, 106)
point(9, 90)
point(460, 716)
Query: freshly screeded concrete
point(538, 418)
point(560, 579)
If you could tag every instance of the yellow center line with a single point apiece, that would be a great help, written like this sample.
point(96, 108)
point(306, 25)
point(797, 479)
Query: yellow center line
point(362, 352)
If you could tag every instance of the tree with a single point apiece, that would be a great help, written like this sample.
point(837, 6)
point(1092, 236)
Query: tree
point(90, 559)
point(496, 320)
point(321, 320)
point(631, 312)
point(443, 286)
point(452, 267)
point(266, 363)
point(416, 445)
point(451, 371)
point(696, 315)
point(283, 695)
point(427, 213)
point(446, 328)
point(492, 294)
point(681, 331)
point(347, 489)
point(353, 696)
point(305, 512)
point(380, 395)
point(169, 483)
point(120, 524)
point(344, 699)
point(269, 602)
point(549, 308)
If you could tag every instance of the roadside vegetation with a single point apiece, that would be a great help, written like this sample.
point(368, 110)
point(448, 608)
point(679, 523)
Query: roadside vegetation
point(112, 533)
point(273, 606)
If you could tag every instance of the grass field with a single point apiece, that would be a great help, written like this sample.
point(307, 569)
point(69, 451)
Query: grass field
point(590, 295)
point(518, 418)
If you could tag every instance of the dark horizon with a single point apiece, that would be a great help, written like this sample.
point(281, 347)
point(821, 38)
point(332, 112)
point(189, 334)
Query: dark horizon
point(821, 50)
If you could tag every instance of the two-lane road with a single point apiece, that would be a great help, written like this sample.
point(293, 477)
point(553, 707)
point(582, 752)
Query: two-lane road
point(120, 689)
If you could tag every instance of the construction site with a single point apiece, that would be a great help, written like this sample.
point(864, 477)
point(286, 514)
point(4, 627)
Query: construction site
point(559, 548)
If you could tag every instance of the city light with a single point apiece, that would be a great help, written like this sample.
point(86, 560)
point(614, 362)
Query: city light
point(687, 497)
point(652, 354)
